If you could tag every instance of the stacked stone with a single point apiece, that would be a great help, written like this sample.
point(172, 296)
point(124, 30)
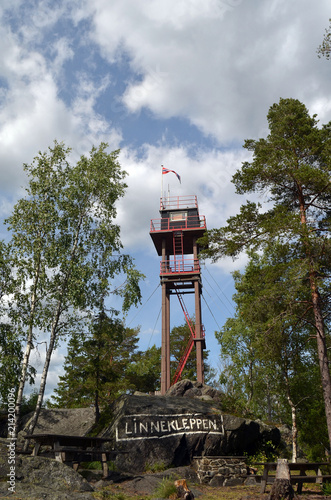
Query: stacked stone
point(221, 471)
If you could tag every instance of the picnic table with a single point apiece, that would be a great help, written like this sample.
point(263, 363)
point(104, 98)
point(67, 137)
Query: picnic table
point(74, 449)
point(301, 477)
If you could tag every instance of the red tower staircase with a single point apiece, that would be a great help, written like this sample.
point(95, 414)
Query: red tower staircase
point(190, 344)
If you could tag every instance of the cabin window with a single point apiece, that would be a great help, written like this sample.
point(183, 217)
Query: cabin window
point(177, 216)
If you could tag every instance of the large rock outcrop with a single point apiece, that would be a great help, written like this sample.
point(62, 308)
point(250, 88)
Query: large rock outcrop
point(187, 389)
point(68, 421)
point(40, 477)
point(151, 431)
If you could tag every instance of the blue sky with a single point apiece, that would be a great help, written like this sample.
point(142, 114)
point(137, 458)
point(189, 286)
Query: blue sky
point(175, 82)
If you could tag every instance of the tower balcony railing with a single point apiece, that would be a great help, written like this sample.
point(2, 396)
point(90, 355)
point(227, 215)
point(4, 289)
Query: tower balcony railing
point(178, 202)
point(178, 266)
point(170, 224)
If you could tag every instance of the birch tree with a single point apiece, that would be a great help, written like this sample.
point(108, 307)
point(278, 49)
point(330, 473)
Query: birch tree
point(33, 226)
point(62, 232)
point(10, 341)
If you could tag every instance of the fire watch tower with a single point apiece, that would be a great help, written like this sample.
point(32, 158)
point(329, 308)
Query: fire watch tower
point(175, 237)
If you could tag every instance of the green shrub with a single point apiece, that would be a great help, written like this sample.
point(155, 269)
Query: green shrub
point(267, 453)
point(156, 467)
point(29, 402)
point(166, 488)
point(326, 488)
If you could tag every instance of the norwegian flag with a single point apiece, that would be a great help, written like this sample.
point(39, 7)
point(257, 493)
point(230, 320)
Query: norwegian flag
point(166, 171)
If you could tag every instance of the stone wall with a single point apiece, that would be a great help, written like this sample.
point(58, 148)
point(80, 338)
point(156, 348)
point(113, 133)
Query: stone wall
point(221, 471)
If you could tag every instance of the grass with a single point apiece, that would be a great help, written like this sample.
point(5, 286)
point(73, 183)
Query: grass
point(96, 465)
point(156, 467)
point(166, 489)
point(118, 492)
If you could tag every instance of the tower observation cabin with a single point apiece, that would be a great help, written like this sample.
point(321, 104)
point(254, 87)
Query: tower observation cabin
point(175, 236)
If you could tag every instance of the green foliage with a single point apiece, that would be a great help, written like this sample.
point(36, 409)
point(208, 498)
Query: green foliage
point(156, 467)
point(325, 48)
point(179, 338)
point(11, 356)
point(283, 298)
point(291, 169)
point(313, 437)
point(97, 465)
point(66, 248)
point(326, 488)
point(29, 402)
point(165, 489)
point(143, 373)
point(95, 365)
point(105, 419)
point(267, 350)
point(266, 453)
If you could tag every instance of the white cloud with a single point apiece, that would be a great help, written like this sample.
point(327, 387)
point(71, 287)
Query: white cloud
point(207, 175)
point(33, 114)
point(71, 69)
point(218, 64)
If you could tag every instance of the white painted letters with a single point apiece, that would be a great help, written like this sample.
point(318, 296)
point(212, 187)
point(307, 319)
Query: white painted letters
point(133, 427)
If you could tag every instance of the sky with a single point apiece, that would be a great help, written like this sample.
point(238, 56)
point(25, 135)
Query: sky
point(179, 83)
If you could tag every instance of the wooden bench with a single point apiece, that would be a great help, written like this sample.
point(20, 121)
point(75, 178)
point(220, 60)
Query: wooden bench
point(72, 450)
point(299, 479)
point(74, 457)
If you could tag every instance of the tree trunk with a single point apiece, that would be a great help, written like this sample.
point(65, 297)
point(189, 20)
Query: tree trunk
point(54, 331)
point(282, 488)
point(96, 406)
point(24, 370)
point(294, 421)
point(28, 349)
point(269, 404)
point(42, 388)
point(322, 356)
point(294, 432)
point(319, 323)
point(183, 492)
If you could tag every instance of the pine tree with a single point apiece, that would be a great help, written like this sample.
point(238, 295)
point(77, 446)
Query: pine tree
point(95, 365)
point(144, 372)
point(268, 344)
point(291, 168)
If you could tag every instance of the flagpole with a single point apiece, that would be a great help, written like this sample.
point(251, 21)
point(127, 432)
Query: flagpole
point(161, 182)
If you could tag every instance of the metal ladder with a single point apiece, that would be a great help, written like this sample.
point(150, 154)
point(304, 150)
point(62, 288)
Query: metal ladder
point(190, 344)
point(178, 250)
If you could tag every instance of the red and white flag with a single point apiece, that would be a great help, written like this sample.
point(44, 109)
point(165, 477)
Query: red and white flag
point(166, 171)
